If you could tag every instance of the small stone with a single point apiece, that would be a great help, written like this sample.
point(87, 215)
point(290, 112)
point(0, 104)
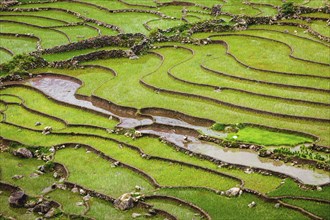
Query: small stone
point(135, 215)
point(55, 175)
point(47, 130)
point(82, 192)
point(17, 177)
point(87, 197)
point(277, 205)
point(61, 180)
point(248, 171)
point(152, 211)
point(134, 57)
point(47, 190)
point(37, 123)
point(252, 204)
point(23, 153)
point(74, 190)
point(50, 213)
point(79, 203)
point(138, 188)
point(41, 168)
point(115, 164)
point(319, 188)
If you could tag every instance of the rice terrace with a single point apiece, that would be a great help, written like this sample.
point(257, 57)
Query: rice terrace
point(165, 109)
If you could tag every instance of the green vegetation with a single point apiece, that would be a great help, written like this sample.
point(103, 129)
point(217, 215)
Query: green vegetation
point(19, 64)
point(290, 188)
point(257, 135)
point(321, 209)
point(127, 123)
point(288, 8)
point(303, 152)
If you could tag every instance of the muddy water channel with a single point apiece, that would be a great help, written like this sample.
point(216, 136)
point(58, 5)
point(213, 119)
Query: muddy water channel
point(63, 89)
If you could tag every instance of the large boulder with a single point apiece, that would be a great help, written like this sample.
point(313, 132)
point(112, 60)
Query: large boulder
point(23, 153)
point(124, 202)
point(17, 199)
point(235, 191)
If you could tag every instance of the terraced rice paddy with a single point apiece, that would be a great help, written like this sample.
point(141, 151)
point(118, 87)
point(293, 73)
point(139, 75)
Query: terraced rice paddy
point(194, 109)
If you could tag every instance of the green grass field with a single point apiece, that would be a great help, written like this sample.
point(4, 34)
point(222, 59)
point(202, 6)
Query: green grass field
point(172, 102)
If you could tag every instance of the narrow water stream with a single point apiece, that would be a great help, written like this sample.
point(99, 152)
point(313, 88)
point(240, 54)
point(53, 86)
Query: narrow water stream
point(63, 89)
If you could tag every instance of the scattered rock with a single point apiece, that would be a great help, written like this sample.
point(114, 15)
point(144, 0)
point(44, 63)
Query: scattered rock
point(50, 213)
point(47, 130)
point(137, 134)
point(277, 205)
point(49, 189)
point(319, 188)
point(265, 153)
point(235, 191)
point(116, 164)
point(124, 202)
point(82, 192)
point(30, 204)
point(152, 212)
point(74, 190)
point(79, 203)
point(55, 175)
point(134, 57)
point(39, 172)
point(23, 153)
point(252, 204)
point(138, 188)
point(37, 123)
point(248, 171)
point(43, 207)
point(87, 198)
point(17, 177)
point(136, 215)
point(41, 168)
point(17, 199)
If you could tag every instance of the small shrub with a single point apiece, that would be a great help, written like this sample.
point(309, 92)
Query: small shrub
point(218, 127)
point(288, 8)
point(18, 65)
